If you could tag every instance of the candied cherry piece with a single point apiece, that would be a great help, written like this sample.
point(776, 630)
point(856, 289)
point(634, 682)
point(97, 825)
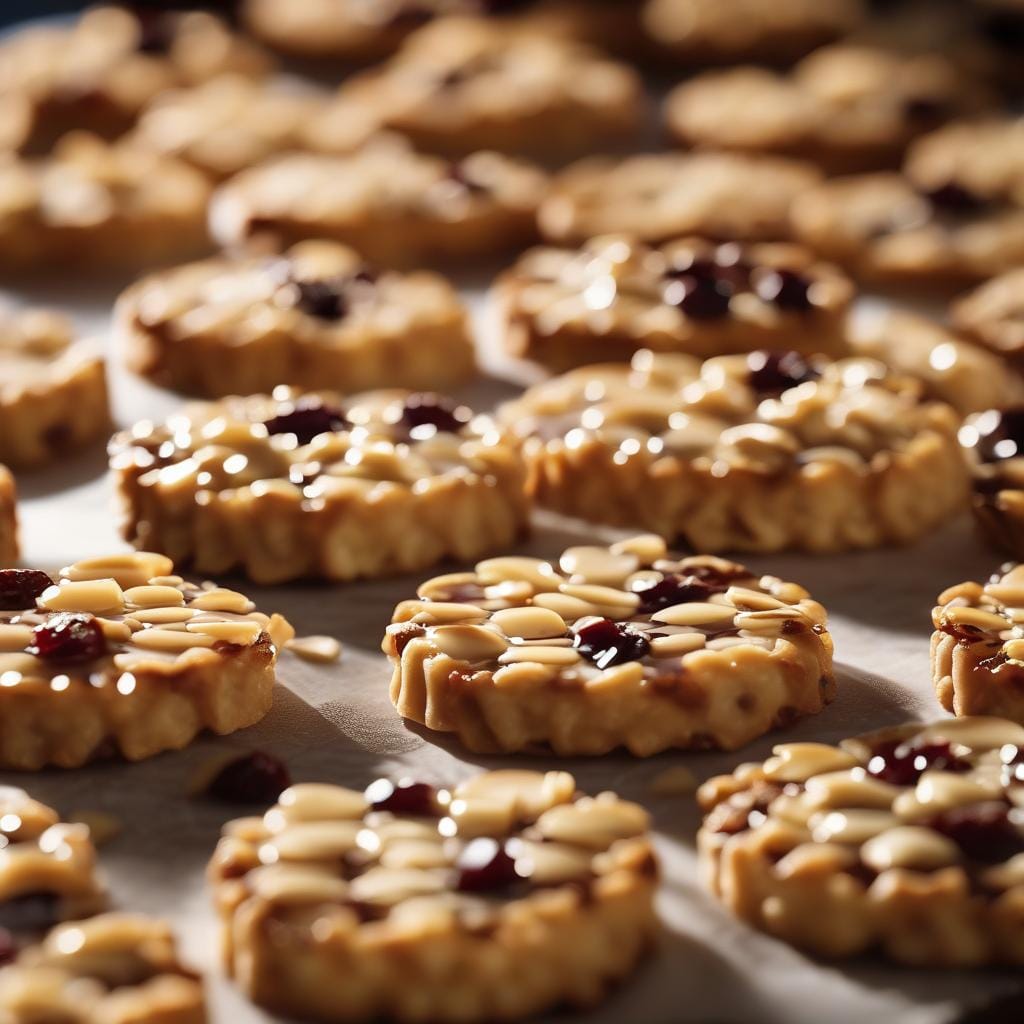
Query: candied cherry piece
point(608, 643)
point(426, 410)
point(786, 289)
point(29, 912)
point(986, 832)
point(1012, 757)
point(255, 778)
point(902, 764)
point(156, 29)
point(775, 372)
point(324, 299)
point(485, 865)
point(19, 588)
point(69, 636)
point(1000, 435)
point(306, 418)
point(8, 947)
point(675, 588)
point(418, 799)
point(700, 298)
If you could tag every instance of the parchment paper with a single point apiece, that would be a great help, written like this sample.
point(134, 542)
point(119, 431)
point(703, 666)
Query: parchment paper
point(336, 724)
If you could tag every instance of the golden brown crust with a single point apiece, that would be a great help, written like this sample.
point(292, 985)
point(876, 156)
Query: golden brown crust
point(461, 85)
point(501, 656)
point(906, 841)
point(614, 295)
point(726, 471)
point(111, 969)
point(316, 925)
point(400, 209)
point(8, 518)
point(316, 317)
point(173, 659)
point(376, 500)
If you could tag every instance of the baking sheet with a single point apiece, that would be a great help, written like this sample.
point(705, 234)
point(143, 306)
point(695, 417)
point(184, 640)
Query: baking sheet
point(335, 723)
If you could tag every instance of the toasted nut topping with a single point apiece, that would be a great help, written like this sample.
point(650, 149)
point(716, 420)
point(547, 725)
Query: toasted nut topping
point(133, 570)
point(219, 600)
point(529, 623)
point(438, 612)
point(242, 633)
point(695, 613)
point(540, 654)
point(648, 548)
point(605, 597)
point(169, 641)
point(469, 643)
point(907, 846)
point(598, 565)
point(677, 644)
point(535, 571)
point(154, 597)
point(102, 595)
point(324, 650)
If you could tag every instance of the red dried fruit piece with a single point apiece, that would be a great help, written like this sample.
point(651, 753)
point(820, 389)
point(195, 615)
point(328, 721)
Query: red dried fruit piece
point(902, 764)
point(418, 799)
point(608, 643)
point(19, 588)
point(306, 419)
point(69, 636)
point(485, 865)
point(255, 778)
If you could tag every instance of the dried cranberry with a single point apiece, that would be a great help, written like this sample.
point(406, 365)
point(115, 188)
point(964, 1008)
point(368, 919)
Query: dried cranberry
point(675, 588)
point(608, 643)
point(255, 778)
point(700, 298)
point(786, 289)
point(774, 372)
point(30, 912)
point(306, 419)
point(156, 30)
point(1000, 435)
point(985, 831)
point(427, 410)
point(69, 636)
point(19, 588)
point(8, 947)
point(485, 865)
point(323, 299)
point(952, 197)
point(1012, 757)
point(418, 799)
point(902, 764)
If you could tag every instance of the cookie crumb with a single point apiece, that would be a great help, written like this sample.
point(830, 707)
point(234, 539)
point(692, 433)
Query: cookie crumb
point(675, 781)
point(324, 650)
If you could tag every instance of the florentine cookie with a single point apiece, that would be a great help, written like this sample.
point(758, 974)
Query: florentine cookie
point(317, 316)
point(47, 869)
point(978, 646)
point(907, 841)
point(233, 122)
point(53, 392)
point(994, 443)
point(396, 207)
point(94, 206)
point(725, 31)
point(656, 197)
point(954, 370)
point(625, 646)
point(886, 230)
point(847, 107)
point(338, 905)
point(97, 73)
point(993, 315)
point(614, 295)
point(8, 517)
point(311, 485)
point(463, 84)
point(120, 656)
point(111, 969)
point(746, 453)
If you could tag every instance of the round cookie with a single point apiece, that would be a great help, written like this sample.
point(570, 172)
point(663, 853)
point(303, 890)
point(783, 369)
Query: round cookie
point(725, 31)
point(98, 72)
point(506, 895)
point(846, 107)
point(978, 645)
point(724, 196)
point(614, 295)
point(122, 657)
point(8, 517)
point(316, 316)
point(47, 870)
point(226, 125)
point(626, 646)
point(97, 207)
point(53, 392)
point(993, 315)
point(114, 967)
point(953, 369)
point(763, 452)
point(311, 485)
point(887, 231)
point(397, 208)
point(906, 841)
point(461, 85)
